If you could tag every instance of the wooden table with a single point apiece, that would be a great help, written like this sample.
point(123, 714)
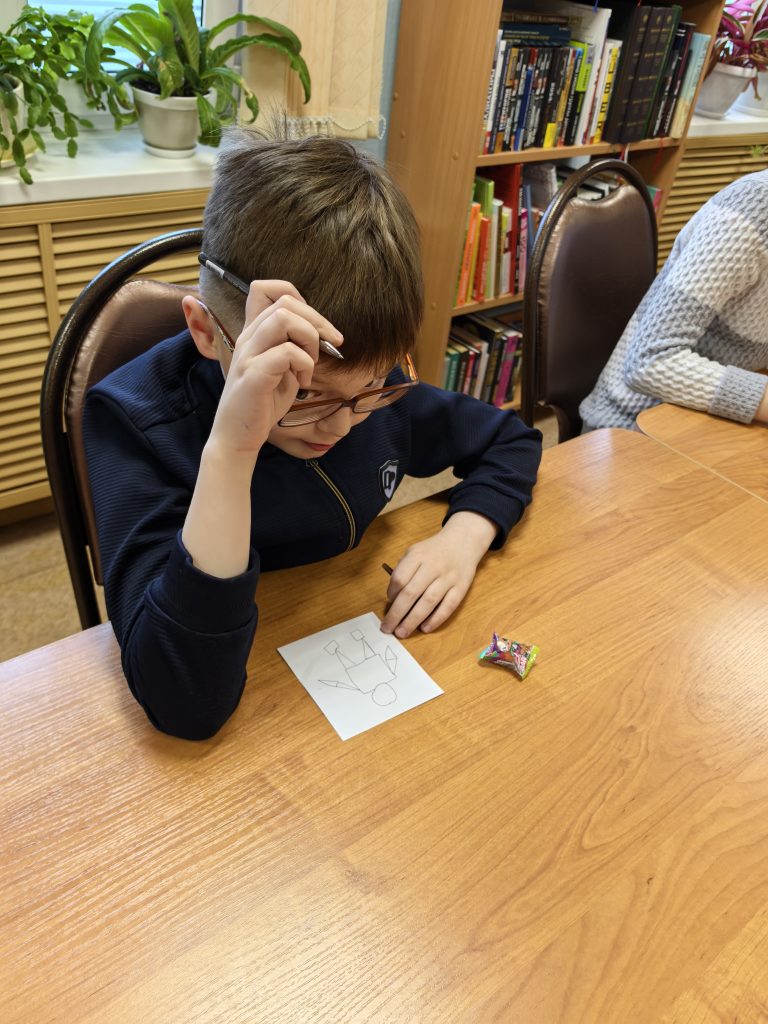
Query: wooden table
point(589, 845)
point(733, 450)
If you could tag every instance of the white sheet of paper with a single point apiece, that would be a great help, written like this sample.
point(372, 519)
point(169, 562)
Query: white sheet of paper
point(358, 676)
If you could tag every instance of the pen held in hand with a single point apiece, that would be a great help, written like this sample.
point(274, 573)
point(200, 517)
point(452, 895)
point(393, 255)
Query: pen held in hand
point(237, 282)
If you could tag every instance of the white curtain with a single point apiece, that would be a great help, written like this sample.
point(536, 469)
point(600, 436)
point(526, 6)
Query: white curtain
point(343, 45)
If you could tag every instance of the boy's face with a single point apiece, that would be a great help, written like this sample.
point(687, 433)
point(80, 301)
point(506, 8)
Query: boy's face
point(313, 440)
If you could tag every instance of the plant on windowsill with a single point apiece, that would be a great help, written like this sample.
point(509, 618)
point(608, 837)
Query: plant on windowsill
point(37, 53)
point(179, 70)
point(739, 56)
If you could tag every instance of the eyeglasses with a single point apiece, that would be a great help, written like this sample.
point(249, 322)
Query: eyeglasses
point(303, 412)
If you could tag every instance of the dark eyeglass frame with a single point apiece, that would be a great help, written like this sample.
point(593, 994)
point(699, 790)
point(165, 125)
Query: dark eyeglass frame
point(336, 403)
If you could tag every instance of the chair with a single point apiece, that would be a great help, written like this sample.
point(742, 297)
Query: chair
point(592, 263)
point(113, 320)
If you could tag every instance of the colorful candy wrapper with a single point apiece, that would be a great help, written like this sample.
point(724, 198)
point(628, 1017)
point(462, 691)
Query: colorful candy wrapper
point(511, 654)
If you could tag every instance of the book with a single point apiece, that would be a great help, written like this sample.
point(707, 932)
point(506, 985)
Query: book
point(658, 37)
point(506, 101)
point(529, 34)
point(452, 354)
point(512, 339)
point(466, 275)
point(540, 77)
point(493, 248)
point(579, 50)
point(493, 88)
point(527, 90)
point(516, 96)
point(481, 263)
point(548, 122)
point(698, 54)
point(605, 101)
point(573, 117)
point(505, 51)
point(684, 56)
point(460, 334)
point(506, 250)
point(629, 25)
point(598, 92)
point(673, 55)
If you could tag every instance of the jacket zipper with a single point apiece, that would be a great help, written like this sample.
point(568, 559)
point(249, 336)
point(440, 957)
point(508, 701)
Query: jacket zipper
point(347, 510)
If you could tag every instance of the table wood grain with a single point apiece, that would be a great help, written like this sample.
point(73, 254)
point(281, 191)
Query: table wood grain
point(736, 451)
point(588, 845)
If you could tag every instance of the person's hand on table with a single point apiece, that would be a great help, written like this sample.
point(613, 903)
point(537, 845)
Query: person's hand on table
point(431, 579)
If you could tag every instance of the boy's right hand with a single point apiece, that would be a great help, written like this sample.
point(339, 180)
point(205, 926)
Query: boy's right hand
point(274, 356)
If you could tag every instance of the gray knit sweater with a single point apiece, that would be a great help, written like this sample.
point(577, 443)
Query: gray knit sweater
point(702, 329)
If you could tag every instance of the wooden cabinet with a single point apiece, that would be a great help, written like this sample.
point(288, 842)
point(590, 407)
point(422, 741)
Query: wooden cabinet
point(444, 59)
point(48, 253)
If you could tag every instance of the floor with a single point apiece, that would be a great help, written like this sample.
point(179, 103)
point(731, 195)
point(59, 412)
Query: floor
point(36, 602)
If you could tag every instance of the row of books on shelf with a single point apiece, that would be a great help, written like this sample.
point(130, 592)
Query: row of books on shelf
point(505, 210)
point(569, 74)
point(484, 355)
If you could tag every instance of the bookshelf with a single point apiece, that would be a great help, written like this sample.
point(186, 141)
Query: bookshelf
point(444, 59)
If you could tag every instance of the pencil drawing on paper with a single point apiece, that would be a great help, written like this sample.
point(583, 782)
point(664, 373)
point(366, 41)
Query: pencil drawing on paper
point(366, 672)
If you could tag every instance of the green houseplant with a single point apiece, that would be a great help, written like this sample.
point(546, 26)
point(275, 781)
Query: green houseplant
point(177, 60)
point(37, 52)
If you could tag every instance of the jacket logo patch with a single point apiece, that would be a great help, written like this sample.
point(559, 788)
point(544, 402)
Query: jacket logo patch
point(388, 477)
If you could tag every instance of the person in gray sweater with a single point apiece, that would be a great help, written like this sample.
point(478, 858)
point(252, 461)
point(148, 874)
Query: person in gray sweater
point(700, 334)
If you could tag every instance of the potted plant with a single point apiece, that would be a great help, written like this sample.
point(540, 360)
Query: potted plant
point(739, 54)
point(37, 53)
point(182, 85)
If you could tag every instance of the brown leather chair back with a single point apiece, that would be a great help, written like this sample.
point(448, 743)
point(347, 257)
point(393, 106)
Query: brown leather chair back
point(115, 319)
point(592, 263)
point(139, 315)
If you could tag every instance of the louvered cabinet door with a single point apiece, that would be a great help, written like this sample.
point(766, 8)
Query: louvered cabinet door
point(24, 342)
point(708, 165)
point(48, 254)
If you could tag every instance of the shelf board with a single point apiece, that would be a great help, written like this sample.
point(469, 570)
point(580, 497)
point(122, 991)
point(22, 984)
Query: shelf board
point(478, 307)
point(527, 156)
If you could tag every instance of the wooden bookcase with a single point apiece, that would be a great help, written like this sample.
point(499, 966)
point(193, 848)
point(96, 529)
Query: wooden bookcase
point(444, 59)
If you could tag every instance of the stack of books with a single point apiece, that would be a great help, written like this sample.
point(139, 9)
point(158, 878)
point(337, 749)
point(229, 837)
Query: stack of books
point(501, 224)
point(568, 74)
point(484, 354)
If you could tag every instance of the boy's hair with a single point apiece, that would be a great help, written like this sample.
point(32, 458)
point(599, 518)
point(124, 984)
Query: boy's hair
point(316, 212)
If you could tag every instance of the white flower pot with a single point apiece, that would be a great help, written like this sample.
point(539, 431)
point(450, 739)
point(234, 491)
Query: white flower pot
point(721, 88)
point(169, 127)
point(749, 103)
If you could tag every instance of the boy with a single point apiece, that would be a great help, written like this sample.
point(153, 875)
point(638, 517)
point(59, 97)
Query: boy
point(212, 459)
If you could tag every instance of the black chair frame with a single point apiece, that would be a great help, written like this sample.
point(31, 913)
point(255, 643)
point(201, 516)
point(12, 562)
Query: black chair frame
point(531, 316)
point(65, 347)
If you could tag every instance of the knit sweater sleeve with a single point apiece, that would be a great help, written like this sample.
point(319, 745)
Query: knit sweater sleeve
point(495, 455)
point(719, 262)
point(184, 636)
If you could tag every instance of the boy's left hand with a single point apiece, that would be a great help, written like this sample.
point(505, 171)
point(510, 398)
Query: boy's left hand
point(430, 580)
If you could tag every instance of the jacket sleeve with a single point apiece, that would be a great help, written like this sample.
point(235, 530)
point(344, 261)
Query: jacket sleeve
point(491, 450)
point(184, 636)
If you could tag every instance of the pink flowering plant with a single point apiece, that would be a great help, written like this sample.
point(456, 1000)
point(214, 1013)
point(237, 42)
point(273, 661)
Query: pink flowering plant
point(742, 37)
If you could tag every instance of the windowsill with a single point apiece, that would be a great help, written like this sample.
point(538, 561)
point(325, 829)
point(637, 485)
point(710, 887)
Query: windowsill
point(108, 163)
point(735, 122)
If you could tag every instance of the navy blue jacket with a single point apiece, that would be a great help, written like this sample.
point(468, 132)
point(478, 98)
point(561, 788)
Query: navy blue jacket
point(185, 636)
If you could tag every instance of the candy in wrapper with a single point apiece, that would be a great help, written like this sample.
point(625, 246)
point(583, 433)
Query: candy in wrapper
point(511, 654)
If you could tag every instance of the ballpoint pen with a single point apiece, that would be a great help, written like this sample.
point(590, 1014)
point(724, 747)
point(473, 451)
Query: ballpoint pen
point(238, 283)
